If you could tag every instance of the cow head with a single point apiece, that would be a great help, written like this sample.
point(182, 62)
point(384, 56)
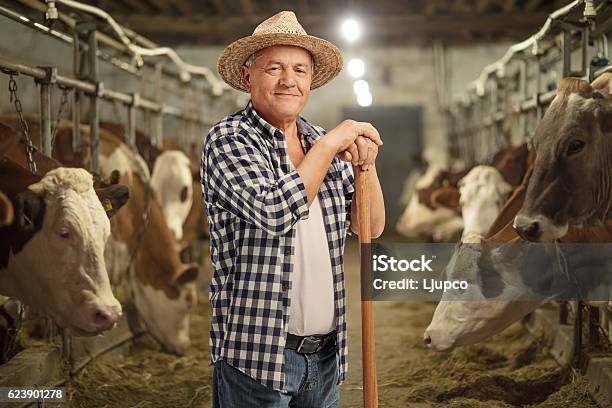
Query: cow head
point(572, 176)
point(166, 309)
point(494, 299)
point(172, 181)
point(482, 194)
point(60, 268)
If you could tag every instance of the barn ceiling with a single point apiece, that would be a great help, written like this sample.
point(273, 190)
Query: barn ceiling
point(218, 22)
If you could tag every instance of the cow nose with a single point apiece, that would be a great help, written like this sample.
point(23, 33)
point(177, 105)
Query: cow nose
point(427, 339)
point(528, 230)
point(105, 319)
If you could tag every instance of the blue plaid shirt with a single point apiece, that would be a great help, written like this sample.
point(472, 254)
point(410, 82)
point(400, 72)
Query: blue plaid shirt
point(253, 200)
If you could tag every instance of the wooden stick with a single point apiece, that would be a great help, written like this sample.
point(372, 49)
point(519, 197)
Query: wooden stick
point(370, 388)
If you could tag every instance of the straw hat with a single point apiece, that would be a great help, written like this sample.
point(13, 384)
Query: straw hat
point(280, 29)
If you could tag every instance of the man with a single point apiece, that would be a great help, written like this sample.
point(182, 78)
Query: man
point(279, 202)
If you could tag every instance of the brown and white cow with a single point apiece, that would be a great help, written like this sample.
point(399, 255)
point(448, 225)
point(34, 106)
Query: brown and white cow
point(419, 219)
point(72, 269)
point(176, 182)
point(511, 162)
point(141, 256)
point(572, 176)
point(457, 322)
point(52, 254)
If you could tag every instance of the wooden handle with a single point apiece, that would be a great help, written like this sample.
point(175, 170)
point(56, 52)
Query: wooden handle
point(370, 387)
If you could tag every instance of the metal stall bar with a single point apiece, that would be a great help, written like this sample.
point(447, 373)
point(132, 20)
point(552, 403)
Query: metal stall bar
point(131, 128)
point(158, 121)
point(106, 94)
point(94, 101)
point(66, 38)
point(45, 109)
point(500, 64)
point(76, 95)
point(126, 45)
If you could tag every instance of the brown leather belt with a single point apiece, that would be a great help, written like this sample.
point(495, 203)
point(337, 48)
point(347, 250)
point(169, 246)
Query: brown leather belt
point(310, 344)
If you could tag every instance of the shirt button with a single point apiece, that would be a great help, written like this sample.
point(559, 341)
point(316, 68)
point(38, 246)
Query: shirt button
point(287, 252)
point(285, 287)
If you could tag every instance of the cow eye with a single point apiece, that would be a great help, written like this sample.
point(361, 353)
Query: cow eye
point(184, 192)
point(575, 147)
point(64, 233)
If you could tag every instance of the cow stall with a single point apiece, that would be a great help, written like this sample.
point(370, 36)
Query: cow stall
point(504, 106)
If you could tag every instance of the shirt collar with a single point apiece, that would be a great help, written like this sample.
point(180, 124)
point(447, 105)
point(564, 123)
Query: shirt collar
point(304, 128)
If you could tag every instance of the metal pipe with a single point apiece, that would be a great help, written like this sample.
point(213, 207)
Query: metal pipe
point(131, 128)
point(157, 118)
point(67, 347)
point(111, 21)
point(76, 95)
point(94, 102)
point(151, 49)
point(500, 64)
point(566, 70)
point(106, 94)
point(61, 36)
point(137, 52)
point(45, 118)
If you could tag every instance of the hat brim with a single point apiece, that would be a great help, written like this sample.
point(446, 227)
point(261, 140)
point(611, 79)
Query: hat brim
point(327, 57)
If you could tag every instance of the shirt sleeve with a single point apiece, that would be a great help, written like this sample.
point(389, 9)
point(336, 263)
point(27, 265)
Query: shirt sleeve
point(237, 175)
point(348, 182)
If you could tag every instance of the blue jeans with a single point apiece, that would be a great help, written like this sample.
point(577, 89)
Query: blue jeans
point(310, 381)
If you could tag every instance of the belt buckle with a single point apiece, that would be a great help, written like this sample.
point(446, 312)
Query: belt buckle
point(311, 338)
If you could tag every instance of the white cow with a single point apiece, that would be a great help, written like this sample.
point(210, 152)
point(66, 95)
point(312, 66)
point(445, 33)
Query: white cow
point(60, 269)
point(172, 182)
point(482, 193)
point(469, 316)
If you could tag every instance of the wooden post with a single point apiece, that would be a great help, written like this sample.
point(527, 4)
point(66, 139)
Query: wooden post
point(370, 388)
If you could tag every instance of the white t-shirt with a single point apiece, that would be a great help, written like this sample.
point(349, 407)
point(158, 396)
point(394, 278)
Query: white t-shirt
point(312, 309)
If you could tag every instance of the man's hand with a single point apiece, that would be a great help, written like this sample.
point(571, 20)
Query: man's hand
point(362, 152)
point(345, 135)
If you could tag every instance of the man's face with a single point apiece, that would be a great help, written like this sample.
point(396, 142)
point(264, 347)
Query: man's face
point(279, 81)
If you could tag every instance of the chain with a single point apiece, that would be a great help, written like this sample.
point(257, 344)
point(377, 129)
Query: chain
point(14, 98)
point(63, 104)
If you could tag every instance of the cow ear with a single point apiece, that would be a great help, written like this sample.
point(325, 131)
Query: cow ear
point(503, 188)
point(29, 210)
point(187, 275)
point(113, 198)
point(37, 188)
